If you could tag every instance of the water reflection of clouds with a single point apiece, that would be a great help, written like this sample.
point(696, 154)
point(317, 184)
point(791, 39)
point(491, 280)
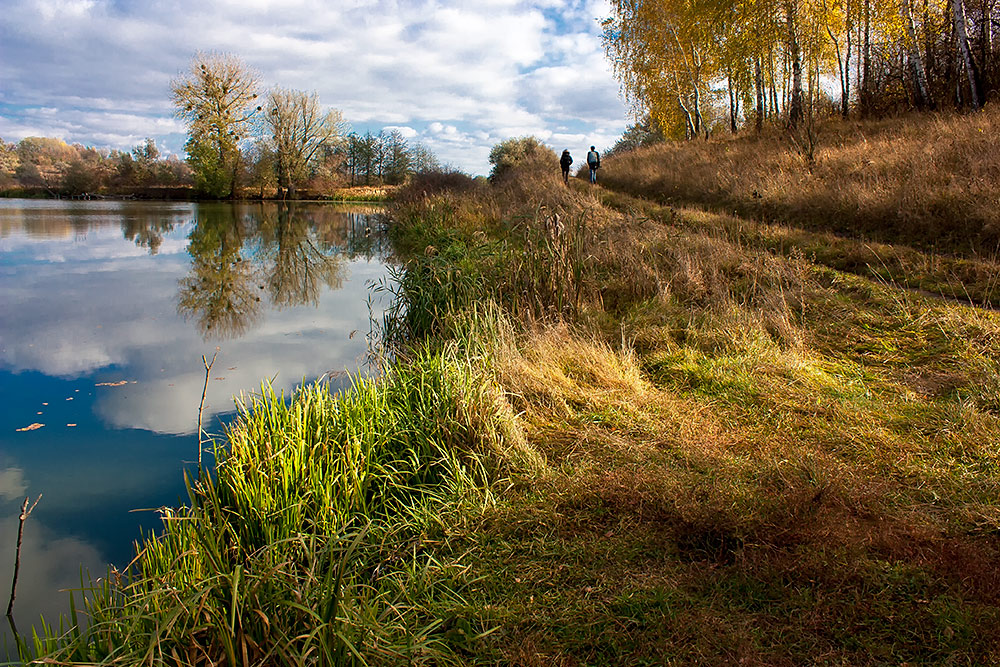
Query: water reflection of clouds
point(61, 326)
point(66, 334)
point(12, 484)
point(131, 330)
point(296, 343)
point(100, 244)
point(44, 572)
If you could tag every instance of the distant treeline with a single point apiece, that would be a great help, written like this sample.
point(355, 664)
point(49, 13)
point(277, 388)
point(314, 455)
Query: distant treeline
point(51, 166)
point(277, 140)
point(46, 166)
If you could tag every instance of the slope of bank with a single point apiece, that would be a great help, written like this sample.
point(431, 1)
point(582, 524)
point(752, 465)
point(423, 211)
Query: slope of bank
point(928, 180)
point(749, 457)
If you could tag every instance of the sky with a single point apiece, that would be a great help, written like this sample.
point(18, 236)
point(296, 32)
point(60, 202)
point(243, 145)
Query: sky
point(455, 75)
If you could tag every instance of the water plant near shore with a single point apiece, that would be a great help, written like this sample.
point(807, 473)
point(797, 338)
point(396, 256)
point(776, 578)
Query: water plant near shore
point(307, 544)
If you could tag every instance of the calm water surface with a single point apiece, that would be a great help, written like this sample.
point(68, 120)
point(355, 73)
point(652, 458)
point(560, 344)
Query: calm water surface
point(105, 311)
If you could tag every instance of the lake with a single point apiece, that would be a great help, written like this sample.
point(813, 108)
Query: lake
point(106, 308)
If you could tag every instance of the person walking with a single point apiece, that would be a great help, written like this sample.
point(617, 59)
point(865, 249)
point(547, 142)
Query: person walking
point(565, 161)
point(594, 162)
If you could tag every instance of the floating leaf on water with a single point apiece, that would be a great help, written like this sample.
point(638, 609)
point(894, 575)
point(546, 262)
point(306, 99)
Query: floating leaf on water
point(70, 398)
point(71, 425)
point(111, 384)
point(31, 427)
point(44, 403)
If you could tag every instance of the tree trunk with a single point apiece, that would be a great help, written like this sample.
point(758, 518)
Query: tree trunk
point(843, 64)
point(866, 60)
point(732, 102)
point(845, 100)
point(758, 79)
point(984, 45)
point(930, 62)
point(689, 132)
point(795, 109)
point(698, 122)
point(916, 62)
point(962, 43)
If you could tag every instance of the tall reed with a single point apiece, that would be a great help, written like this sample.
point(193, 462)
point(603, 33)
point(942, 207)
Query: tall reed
point(304, 547)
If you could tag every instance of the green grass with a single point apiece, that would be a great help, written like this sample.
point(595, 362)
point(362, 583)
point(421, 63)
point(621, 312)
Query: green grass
point(308, 543)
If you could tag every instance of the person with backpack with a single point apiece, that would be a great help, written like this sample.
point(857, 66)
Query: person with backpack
point(565, 161)
point(594, 162)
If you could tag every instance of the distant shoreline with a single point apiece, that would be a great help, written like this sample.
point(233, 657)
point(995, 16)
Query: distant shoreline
point(353, 195)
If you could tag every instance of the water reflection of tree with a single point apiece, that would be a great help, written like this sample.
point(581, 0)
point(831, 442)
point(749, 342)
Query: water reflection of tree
point(221, 289)
point(295, 266)
point(145, 232)
point(286, 252)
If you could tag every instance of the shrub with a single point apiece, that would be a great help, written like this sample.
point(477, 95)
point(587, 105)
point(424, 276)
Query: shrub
point(517, 152)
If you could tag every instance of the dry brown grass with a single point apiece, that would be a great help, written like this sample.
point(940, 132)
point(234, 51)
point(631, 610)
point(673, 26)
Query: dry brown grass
point(749, 457)
point(929, 180)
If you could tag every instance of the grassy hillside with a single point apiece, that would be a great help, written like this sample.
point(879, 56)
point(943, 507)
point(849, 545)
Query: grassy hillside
point(612, 432)
point(927, 180)
point(750, 456)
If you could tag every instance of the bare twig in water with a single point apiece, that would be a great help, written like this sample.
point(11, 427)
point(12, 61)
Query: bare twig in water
point(201, 407)
point(25, 513)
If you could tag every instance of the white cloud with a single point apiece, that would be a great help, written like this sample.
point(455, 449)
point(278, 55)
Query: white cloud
point(405, 131)
point(483, 67)
point(12, 484)
point(75, 9)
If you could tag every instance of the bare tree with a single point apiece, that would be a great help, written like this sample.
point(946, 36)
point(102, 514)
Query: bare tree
point(298, 130)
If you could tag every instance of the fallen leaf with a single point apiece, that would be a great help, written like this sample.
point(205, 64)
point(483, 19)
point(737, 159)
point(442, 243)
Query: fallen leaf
point(351, 336)
point(44, 403)
point(39, 412)
point(71, 425)
point(111, 384)
point(220, 378)
point(31, 427)
point(232, 368)
point(70, 398)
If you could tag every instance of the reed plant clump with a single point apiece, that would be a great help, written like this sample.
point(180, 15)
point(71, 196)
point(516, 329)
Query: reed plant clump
point(526, 242)
point(307, 545)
